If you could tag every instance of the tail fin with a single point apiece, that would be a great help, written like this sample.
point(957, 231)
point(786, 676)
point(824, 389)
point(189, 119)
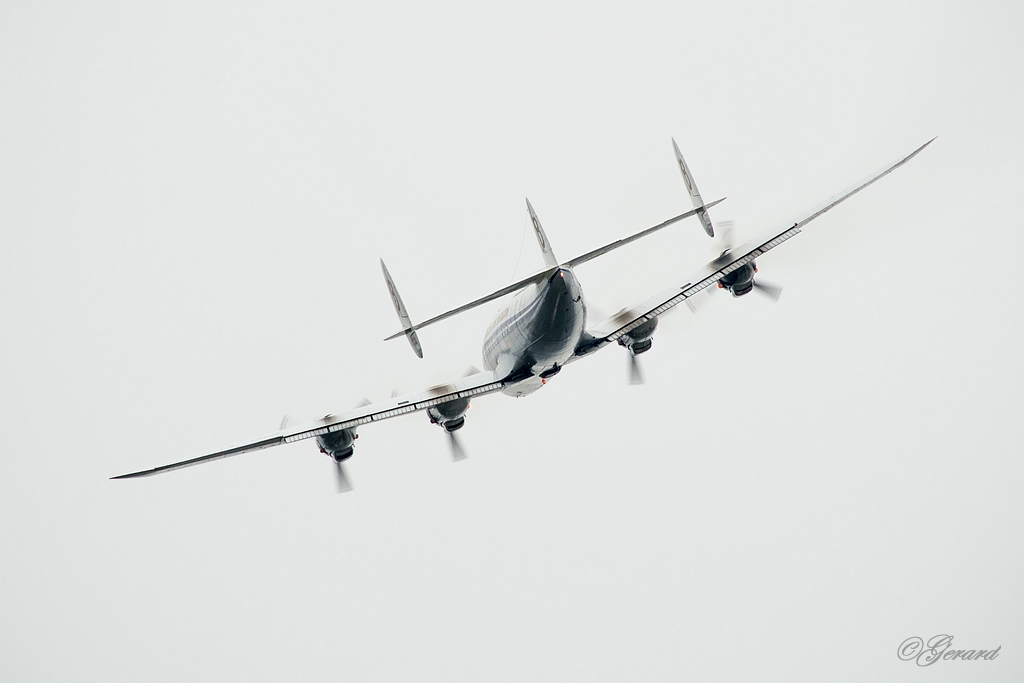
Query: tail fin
point(403, 315)
point(698, 203)
point(542, 239)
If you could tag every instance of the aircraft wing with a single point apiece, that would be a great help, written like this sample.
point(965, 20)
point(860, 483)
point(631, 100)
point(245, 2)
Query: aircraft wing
point(614, 327)
point(467, 387)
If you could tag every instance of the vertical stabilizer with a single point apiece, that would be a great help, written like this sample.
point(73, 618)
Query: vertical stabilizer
point(403, 315)
point(691, 187)
point(542, 239)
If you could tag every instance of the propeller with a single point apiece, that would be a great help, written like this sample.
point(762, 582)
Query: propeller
point(726, 230)
point(339, 469)
point(457, 451)
point(768, 289)
point(635, 375)
point(696, 302)
point(343, 482)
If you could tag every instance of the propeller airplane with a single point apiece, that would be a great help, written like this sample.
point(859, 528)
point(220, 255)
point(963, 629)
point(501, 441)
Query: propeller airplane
point(543, 328)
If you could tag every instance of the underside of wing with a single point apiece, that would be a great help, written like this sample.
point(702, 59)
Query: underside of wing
point(641, 316)
point(275, 440)
point(446, 400)
point(466, 388)
point(628, 319)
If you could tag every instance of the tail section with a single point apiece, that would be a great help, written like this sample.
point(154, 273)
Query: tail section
point(542, 239)
point(691, 187)
point(551, 262)
point(403, 315)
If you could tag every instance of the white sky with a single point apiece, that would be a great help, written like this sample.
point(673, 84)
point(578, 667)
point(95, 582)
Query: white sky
point(192, 205)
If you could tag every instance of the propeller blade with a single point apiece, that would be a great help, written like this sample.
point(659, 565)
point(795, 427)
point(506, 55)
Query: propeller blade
point(725, 233)
point(698, 300)
point(769, 290)
point(343, 483)
point(457, 452)
point(635, 376)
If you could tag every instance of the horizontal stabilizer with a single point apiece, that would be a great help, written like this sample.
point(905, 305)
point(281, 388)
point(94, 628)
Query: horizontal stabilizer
point(632, 238)
point(542, 275)
point(514, 287)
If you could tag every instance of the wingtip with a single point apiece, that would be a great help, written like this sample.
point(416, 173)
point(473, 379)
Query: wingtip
point(926, 144)
point(918, 150)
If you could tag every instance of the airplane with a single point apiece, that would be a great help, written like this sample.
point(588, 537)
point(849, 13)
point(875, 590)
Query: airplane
point(544, 328)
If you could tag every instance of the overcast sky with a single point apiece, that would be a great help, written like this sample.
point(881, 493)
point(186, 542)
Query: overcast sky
point(193, 204)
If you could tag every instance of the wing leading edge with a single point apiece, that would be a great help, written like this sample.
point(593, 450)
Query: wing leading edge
point(468, 387)
point(628, 319)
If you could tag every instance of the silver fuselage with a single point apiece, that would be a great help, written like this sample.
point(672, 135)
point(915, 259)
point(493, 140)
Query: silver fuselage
point(539, 330)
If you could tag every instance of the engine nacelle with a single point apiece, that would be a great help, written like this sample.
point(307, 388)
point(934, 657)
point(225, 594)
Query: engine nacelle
point(739, 281)
point(638, 340)
point(338, 445)
point(451, 414)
